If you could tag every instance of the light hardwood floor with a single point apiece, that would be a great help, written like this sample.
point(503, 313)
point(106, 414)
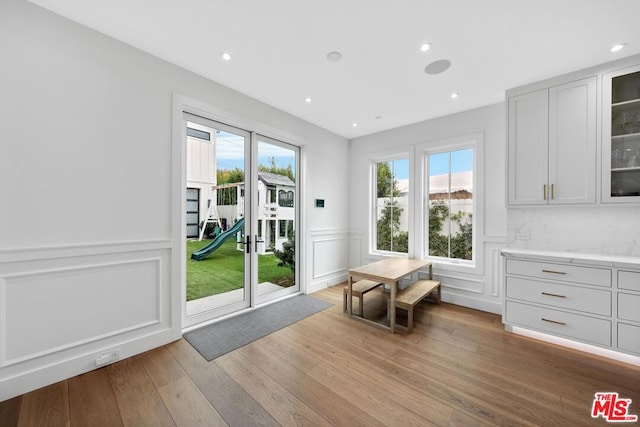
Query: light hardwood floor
point(457, 368)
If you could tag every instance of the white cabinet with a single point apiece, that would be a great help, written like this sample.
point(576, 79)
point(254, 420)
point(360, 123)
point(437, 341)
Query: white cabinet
point(586, 298)
point(552, 145)
point(621, 135)
point(528, 147)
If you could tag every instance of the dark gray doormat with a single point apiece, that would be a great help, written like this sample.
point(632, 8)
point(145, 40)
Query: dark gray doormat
point(219, 338)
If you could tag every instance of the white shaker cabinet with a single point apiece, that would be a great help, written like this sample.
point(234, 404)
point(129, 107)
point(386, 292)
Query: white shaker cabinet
point(591, 299)
point(528, 150)
point(552, 145)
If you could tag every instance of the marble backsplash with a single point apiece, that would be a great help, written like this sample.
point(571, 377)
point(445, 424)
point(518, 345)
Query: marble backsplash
point(603, 230)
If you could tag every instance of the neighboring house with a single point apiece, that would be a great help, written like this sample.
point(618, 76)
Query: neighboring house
point(276, 195)
point(461, 194)
point(201, 174)
point(276, 213)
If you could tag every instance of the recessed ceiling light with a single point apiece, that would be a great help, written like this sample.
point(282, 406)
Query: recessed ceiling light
point(437, 67)
point(334, 56)
point(618, 47)
point(355, 125)
point(307, 100)
point(226, 56)
point(425, 47)
point(454, 95)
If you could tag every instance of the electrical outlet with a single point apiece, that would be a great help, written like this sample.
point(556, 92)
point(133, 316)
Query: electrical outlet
point(108, 357)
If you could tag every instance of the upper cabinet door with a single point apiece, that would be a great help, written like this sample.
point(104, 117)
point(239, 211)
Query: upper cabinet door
point(621, 135)
point(528, 145)
point(572, 142)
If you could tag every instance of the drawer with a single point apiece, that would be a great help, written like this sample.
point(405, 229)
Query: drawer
point(560, 272)
point(569, 325)
point(629, 307)
point(589, 300)
point(629, 337)
point(629, 280)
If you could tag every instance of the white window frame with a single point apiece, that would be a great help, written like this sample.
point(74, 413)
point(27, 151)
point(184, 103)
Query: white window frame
point(407, 153)
point(476, 142)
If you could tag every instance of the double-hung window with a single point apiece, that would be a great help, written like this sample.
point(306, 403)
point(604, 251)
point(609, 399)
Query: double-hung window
point(391, 206)
point(447, 226)
point(449, 200)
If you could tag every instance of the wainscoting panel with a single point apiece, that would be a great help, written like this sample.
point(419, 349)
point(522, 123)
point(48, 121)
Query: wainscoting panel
point(458, 283)
point(330, 252)
point(329, 256)
point(63, 314)
point(47, 311)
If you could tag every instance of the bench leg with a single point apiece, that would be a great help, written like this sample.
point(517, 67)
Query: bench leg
point(344, 301)
point(361, 305)
point(410, 319)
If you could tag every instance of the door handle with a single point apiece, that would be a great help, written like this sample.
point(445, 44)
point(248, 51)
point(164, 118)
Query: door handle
point(247, 244)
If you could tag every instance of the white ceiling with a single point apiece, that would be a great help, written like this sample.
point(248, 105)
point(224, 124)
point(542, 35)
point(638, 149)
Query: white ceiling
point(279, 49)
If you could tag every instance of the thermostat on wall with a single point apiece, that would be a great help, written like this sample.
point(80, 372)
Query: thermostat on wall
point(319, 203)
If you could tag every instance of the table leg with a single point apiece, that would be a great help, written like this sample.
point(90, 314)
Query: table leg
point(349, 297)
point(392, 306)
point(430, 271)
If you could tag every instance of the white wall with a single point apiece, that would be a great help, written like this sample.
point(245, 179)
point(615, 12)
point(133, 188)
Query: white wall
point(479, 289)
point(86, 240)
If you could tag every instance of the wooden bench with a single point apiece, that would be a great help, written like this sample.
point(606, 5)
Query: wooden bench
point(408, 297)
point(358, 289)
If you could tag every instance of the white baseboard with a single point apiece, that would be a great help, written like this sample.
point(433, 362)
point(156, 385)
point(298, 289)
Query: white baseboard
point(470, 302)
point(41, 376)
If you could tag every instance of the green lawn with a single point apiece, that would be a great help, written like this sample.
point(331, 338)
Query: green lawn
point(223, 270)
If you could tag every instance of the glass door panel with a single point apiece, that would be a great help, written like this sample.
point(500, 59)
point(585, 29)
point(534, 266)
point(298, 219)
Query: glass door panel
point(217, 264)
point(621, 120)
point(276, 189)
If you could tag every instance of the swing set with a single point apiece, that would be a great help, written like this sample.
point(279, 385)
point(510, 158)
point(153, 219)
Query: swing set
point(231, 194)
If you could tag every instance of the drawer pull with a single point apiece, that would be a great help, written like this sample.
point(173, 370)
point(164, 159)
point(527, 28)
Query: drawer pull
point(552, 321)
point(553, 272)
point(553, 295)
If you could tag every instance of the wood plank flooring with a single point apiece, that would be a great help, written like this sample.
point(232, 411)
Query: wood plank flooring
point(457, 368)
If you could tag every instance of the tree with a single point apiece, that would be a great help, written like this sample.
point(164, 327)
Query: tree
point(389, 237)
point(228, 176)
point(438, 243)
point(459, 245)
point(287, 255)
point(387, 184)
point(462, 242)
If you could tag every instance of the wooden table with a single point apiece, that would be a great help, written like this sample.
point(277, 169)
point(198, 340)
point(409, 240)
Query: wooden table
point(388, 271)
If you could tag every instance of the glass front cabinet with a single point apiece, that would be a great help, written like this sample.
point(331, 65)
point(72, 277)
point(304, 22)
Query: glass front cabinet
point(621, 136)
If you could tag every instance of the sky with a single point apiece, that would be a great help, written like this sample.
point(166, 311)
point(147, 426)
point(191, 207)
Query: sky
point(230, 155)
point(230, 152)
point(461, 161)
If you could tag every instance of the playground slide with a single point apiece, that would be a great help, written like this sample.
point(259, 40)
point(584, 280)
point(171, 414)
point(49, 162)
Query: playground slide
point(203, 252)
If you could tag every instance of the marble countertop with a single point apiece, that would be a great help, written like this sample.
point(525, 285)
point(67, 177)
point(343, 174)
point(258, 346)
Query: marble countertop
point(573, 258)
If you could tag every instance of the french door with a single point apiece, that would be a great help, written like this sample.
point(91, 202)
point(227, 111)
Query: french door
point(245, 251)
